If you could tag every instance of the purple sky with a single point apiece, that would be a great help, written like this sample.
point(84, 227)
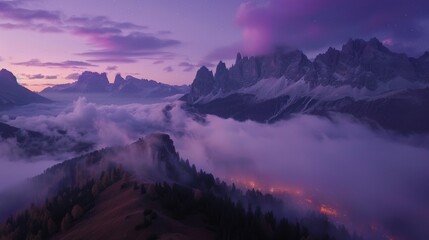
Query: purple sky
point(49, 41)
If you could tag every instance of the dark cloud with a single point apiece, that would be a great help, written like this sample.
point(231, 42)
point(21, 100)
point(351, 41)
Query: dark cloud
point(112, 44)
point(35, 76)
point(102, 22)
point(65, 64)
point(38, 27)
point(12, 16)
point(73, 76)
point(158, 62)
point(168, 69)
point(315, 24)
point(113, 60)
point(10, 11)
point(112, 68)
point(187, 67)
point(119, 42)
point(51, 77)
point(118, 56)
point(135, 41)
point(39, 76)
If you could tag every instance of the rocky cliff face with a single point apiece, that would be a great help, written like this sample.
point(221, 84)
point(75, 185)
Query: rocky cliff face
point(364, 79)
point(92, 82)
point(359, 64)
point(362, 64)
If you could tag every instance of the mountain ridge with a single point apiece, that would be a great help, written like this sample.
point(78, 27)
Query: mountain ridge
point(93, 82)
point(364, 79)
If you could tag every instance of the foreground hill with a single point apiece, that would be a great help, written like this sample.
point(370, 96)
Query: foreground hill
point(145, 191)
point(364, 79)
point(13, 94)
point(92, 82)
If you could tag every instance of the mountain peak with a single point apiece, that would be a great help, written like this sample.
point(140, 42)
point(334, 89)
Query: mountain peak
point(238, 58)
point(203, 83)
point(92, 82)
point(118, 79)
point(357, 47)
point(6, 77)
point(220, 66)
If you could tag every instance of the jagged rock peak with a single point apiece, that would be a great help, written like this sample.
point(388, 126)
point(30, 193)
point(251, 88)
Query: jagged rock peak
point(238, 58)
point(119, 79)
point(87, 75)
point(203, 83)
point(221, 66)
point(161, 141)
point(6, 77)
point(358, 46)
point(204, 75)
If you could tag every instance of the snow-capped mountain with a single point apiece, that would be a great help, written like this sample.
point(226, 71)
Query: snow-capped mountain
point(92, 82)
point(364, 79)
point(13, 94)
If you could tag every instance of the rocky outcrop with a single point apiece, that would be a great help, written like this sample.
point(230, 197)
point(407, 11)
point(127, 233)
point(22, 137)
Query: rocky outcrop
point(203, 84)
point(13, 94)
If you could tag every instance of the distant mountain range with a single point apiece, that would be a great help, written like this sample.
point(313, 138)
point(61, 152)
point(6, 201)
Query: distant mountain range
point(92, 82)
point(13, 94)
point(364, 79)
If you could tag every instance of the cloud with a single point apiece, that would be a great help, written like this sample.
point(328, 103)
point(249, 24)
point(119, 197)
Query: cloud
point(51, 77)
point(113, 44)
point(110, 41)
point(35, 76)
point(316, 24)
point(168, 69)
point(373, 178)
point(128, 47)
point(16, 17)
point(39, 27)
point(187, 67)
point(158, 62)
point(9, 11)
point(39, 76)
point(73, 76)
point(112, 68)
point(65, 64)
point(104, 22)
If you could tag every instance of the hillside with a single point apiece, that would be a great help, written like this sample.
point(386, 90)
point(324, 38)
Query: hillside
point(145, 190)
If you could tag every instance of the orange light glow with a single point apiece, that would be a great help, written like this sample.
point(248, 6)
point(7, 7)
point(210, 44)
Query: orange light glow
point(328, 210)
